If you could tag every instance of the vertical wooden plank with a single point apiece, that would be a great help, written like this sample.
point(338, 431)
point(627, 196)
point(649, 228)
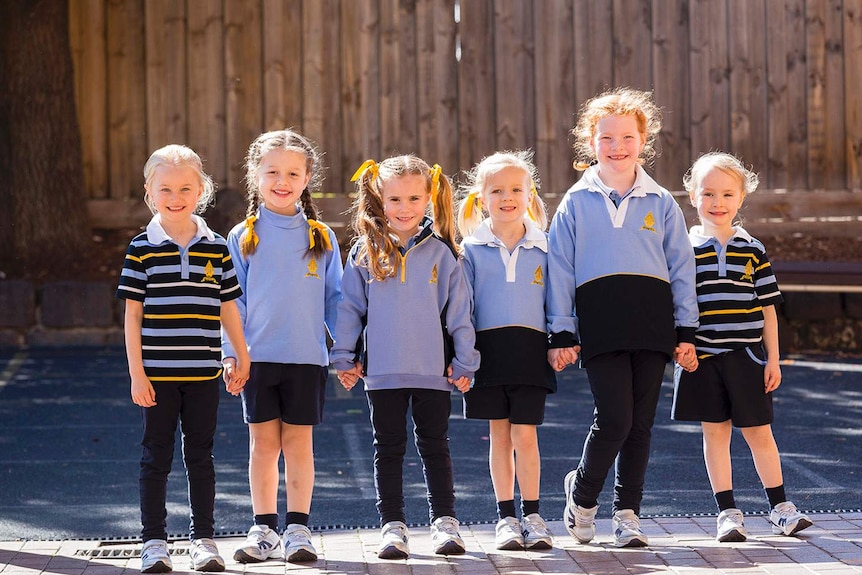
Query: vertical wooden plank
point(360, 85)
point(321, 87)
point(127, 107)
point(710, 103)
point(87, 28)
point(438, 83)
point(206, 87)
point(632, 62)
point(825, 95)
point(671, 73)
point(747, 55)
point(797, 90)
point(477, 99)
point(244, 90)
point(166, 85)
point(593, 33)
point(555, 87)
point(852, 92)
point(514, 79)
point(282, 64)
point(398, 89)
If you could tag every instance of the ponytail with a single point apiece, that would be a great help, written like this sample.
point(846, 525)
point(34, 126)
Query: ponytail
point(442, 202)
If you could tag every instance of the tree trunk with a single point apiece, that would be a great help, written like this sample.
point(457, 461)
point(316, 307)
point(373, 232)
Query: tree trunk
point(43, 214)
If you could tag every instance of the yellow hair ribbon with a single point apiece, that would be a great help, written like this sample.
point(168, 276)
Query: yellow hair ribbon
point(250, 239)
point(436, 170)
point(535, 193)
point(315, 225)
point(474, 201)
point(366, 165)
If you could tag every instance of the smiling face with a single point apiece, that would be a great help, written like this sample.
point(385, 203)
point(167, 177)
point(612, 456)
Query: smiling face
point(281, 178)
point(617, 144)
point(718, 197)
point(506, 195)
point(173, 192)
point(405, 199)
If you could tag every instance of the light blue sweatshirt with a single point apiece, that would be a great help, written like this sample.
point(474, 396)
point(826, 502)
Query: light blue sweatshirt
point(403, 318)
point(289, 299)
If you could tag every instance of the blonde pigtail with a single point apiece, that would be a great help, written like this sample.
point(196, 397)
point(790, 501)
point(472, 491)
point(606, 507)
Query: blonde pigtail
point(443, 205)
point(537, 210)
point(249, 241)
point(470, 213)
point(370, 226)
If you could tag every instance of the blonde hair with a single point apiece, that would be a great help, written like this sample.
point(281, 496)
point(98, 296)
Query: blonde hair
point(293, 141)
point(621, 101)
point(727, 163)
point(378, 247)
point(470, 210)
point(179, 156)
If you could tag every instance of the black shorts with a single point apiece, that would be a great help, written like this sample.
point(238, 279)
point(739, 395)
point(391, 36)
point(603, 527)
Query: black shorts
point(520, 404)
point(725, 386)
point(292, 392)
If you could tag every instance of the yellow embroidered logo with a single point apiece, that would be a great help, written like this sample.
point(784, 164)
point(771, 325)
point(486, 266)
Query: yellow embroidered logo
point(209, 273)
point(433, 279)
point(749, 272)
point(312, 269)
point(649, 223)
point(538, 277)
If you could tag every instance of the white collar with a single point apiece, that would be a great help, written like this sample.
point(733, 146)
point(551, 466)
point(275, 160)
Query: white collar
point(156, 234)
point(534, 237)
point(643, 185)
point(698, 238)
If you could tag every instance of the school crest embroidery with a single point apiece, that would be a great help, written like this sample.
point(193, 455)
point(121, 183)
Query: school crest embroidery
point(311, 272)
point(538, 277)
point(433, 279)
point(209, 273)
point(748, 273)
point(649, 223)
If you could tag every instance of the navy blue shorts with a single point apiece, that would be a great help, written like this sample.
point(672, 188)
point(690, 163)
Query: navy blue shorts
point(726, 386)
point(292, 392)
point(520, 404)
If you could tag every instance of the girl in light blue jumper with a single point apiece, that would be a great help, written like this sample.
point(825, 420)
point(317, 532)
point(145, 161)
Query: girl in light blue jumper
point(506, 264)
point(289, 267)
point(404, 327)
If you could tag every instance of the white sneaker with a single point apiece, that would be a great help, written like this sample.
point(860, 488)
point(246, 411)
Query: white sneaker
point(297, 544)
point(580, 521)
point(393, 541)
point(627, 530)
point(508, 535)
point(445, 538)
point(787, 520)
point(204, 555)
point(730, 527)
point(536, 534)
point(155, 557)
point(261, 543)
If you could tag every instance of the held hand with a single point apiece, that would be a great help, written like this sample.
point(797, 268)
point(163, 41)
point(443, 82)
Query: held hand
point(771, 376)
point(143, 393)
point(350, 377)
point(462, 383)
point(560, 357)
point(232, 383)
point(686, 356)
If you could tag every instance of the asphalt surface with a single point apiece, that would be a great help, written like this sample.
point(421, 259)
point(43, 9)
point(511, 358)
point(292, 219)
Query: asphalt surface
point(69, 452)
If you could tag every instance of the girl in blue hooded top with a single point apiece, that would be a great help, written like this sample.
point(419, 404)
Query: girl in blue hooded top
point(404, 327)
point(506, 264)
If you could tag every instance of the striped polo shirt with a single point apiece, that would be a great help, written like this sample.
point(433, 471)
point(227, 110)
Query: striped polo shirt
point(182, 290)
point(734, 283)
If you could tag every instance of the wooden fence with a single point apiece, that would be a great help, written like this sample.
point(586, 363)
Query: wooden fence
point(778, 82)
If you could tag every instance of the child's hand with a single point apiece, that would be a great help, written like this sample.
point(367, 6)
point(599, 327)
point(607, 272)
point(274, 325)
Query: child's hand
point(233, 376)
point(462, 383)
point(350, 377)
point(686, 356)
point(560, 357)
point(143, 393)
point(771, 376)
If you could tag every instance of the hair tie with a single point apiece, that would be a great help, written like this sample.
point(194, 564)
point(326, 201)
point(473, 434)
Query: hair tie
point(315, 225)
point(436, 170)
point(474, 200)
point(366, 165)
point(250, 239)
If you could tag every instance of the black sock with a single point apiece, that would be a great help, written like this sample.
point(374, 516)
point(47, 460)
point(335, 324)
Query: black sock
point(506, 508)
point(529, 507)
point(296, 517)
point(268, 519)
point(775, 495)
point(724, 500)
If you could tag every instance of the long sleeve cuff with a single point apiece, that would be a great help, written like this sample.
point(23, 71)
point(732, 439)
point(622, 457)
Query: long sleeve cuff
point(562, 339)
point(685, 334)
